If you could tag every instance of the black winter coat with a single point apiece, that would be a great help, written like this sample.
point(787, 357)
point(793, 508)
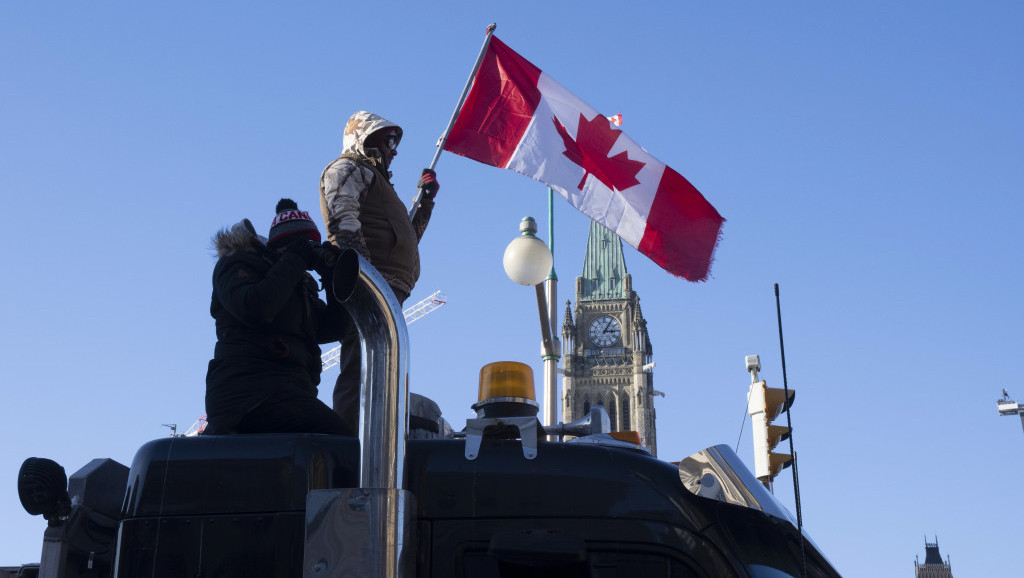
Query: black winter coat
point(269, 321)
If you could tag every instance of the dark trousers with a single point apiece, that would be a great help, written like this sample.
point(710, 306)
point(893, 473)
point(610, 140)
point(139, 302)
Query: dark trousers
point(347, 388)
point(292, 411)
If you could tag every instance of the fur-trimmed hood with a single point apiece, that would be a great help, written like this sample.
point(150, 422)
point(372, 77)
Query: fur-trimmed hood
point(240, 237)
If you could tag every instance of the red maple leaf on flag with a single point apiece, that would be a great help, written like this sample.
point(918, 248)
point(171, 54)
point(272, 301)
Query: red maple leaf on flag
point(594, 138)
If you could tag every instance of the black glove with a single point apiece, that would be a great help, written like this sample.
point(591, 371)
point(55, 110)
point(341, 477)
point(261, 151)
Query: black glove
point(428, 183)
point(325, 258)
point(305, 252)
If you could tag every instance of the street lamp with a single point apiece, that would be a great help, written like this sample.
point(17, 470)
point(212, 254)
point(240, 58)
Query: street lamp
point(527, 259)
point(528, 262)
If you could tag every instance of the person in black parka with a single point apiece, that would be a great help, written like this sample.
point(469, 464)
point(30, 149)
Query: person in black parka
point(270, 319)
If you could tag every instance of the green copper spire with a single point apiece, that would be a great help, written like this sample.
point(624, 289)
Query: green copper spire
point(603, 266)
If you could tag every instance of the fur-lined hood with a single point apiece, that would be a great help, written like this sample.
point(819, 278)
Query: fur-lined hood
point(240, 237)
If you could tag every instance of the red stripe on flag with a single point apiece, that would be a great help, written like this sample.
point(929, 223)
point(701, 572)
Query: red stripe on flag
point(498, 108)
point(682, 228)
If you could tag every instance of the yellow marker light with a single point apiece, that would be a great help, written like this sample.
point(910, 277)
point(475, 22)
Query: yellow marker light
point(504, 379)
point(506, 390)
point(626, 436)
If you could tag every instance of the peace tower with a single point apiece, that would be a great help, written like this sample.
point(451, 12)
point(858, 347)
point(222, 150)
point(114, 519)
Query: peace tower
point(607, 354)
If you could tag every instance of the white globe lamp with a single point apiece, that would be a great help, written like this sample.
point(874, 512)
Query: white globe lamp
point(527, 259)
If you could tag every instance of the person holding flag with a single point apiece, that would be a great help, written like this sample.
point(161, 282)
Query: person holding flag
point(362, 211)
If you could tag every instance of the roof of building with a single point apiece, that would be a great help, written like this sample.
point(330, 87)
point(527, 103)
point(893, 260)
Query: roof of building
point(931, 553)
point(604, 267)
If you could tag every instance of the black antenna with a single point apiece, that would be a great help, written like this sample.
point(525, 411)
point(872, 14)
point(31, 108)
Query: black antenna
point(789, 422)
point(742, 423)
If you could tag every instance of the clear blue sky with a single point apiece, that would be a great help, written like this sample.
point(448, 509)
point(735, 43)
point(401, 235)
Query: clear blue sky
point(867, 156)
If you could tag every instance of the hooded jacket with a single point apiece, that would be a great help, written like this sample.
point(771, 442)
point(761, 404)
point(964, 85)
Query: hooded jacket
point(269, 321)
point(362, 210)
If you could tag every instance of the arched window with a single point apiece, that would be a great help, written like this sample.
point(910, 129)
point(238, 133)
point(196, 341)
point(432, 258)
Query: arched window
point(625, 413)
point(586, 406)
point(611, 413)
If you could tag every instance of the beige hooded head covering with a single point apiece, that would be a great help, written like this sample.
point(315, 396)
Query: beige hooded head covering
point(359, 127)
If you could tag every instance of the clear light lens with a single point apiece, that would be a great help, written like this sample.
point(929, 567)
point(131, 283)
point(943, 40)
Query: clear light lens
point(527, 260)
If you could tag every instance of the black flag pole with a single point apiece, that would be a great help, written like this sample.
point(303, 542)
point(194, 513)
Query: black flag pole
point(455, 114)
point(789, 422)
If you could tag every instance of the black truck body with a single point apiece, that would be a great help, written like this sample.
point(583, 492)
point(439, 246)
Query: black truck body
point(410, 497)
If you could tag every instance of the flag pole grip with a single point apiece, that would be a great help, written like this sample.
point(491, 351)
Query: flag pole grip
point(455, 114)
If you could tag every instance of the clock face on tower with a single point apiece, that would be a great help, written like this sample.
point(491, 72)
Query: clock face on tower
point(604, 331)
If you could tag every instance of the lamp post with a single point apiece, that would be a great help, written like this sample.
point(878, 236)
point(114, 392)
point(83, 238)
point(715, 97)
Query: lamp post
point(551, 398)
point(528, 261)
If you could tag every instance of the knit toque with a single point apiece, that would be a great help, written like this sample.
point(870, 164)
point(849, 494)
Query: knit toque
point(291, 224)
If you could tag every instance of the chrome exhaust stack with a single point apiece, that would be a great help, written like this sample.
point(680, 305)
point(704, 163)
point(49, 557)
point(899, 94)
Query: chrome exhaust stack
point(384, 338)
point(369, 531)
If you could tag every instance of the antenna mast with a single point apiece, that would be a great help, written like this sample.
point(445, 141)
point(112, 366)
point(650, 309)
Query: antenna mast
point(789, 422)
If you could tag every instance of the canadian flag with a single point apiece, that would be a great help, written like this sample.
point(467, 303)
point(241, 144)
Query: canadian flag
point(516, 117)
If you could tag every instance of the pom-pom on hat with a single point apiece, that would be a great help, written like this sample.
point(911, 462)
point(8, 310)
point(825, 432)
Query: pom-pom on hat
point(291, 224)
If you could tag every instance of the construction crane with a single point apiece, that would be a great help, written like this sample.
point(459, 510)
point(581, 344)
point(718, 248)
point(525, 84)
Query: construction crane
point(411, 314)
point(196, 428)
point(1009, 407)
